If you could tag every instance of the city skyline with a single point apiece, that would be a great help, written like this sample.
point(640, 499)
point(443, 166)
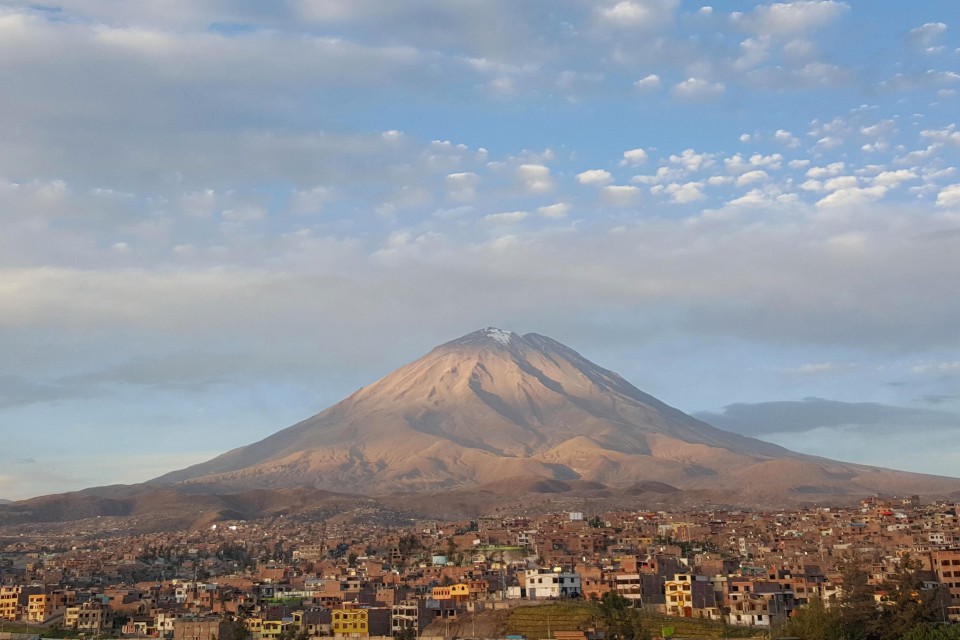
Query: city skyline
point(222, 217)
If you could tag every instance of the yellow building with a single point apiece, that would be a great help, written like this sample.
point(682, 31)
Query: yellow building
point(41, 606)
point(254, 625)
point(350, 623)
point(9, 602)
point(679, 595)
point(458, 592)
point(271, 629)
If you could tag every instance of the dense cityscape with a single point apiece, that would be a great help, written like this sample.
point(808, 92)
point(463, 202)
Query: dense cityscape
point(747, 571)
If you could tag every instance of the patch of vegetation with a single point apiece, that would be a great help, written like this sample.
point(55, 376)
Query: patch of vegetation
point(907, 611)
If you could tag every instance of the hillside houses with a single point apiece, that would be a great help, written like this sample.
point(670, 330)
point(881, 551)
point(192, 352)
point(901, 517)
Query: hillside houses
point(284, 579)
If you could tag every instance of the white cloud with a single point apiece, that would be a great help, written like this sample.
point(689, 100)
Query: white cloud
point(639, 14)
point(926, 36)
point(737, 164)
point(949, 196)
point(750, 177)
point(555, 211)
point(786, 138)
point(634, 157)
point(535, 178)
point(716, 181)
point(946, 135)
point(893, 179)
point(852, 197)
point(662, 175)
point(828, 171)
point(462, 186)
point(762, 198)
point(753, 51)
point(692, 161)
point(840, 182)
point(648, 83)
point(595, 176)
point(619, 195)
point(782, 18)
point(506, 217)
point(685, 193)
point(698, 89)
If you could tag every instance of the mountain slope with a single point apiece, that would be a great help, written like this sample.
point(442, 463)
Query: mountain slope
point(494, 405)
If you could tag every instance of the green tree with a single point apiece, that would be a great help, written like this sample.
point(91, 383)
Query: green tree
point(907, 605)
point(929, 631)
point(857, 608)
point(240, 630)
point(813, 621)
point(619, 619)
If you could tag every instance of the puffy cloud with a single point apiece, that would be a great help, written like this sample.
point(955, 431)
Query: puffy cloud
point(692, 161)
point(595, 176)
point(737, 164)
point(753, 51)
point(535, 178)
point(634, 157)
point(764, 198)
point(786, 138)
point(926, 35)
point(949, 196)
point(639, 14)
point(840, 182)
point(698, 89)
point(752, 176)
point(946, 135)
point(791, 18)
point(685, 193)
point(852, 197)
point(830, 170)
point(648, 83)
point(894, 178)
point(619, 195)
point(555, 211)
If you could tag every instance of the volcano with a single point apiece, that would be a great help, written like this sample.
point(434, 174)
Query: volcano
point(495, 408)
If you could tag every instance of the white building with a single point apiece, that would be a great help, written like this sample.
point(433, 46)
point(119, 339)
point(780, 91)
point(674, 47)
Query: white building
point(539, 584)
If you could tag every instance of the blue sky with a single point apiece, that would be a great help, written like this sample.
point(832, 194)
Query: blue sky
point(220, 217)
